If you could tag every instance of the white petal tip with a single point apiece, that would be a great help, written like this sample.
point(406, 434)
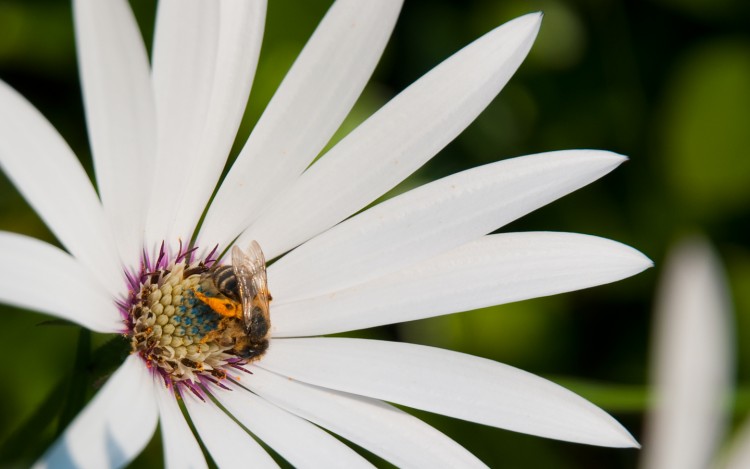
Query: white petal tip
point(627, 440)
point(603, 160)
point(639, 260)
point(532, 16)
point(621, 158)
point(532, 21)
point(615, 158)
point(616, 436)
point(631, 442)
point(598, 159)
point(630, 260)
point(621, 260)
point(609, 157)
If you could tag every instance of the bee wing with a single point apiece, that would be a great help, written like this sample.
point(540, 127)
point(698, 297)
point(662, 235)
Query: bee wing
point(250, 270)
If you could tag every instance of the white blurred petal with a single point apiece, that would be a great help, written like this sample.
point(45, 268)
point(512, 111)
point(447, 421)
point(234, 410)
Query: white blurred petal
point(298, 441)
point(113, 428)
point(229, 444)
point(205, 55)
point(448, 383)
point(386, 431)
point(494, 270)
point(396, 140)
point(46, 172)
point(41, 277)
point(181, 450)
point(310, 104)
point(116, 82)
point(691, 368)
point(432, 219)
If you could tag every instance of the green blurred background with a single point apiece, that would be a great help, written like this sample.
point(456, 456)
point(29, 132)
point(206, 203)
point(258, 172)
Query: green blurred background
point(666, 82)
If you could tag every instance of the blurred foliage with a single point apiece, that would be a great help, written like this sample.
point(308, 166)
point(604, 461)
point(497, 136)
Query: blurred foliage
point(701, 126)
point(666, 82)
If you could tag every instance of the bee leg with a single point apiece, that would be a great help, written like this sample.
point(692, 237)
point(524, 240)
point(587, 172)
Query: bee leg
point(213, 335)
point(221, 306)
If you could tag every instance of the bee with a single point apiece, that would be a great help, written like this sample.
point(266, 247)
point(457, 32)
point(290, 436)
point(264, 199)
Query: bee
point(239, 293)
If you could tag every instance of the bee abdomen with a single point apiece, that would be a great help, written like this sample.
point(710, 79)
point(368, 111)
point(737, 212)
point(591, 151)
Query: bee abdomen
point(258, 327)
point(226, 282)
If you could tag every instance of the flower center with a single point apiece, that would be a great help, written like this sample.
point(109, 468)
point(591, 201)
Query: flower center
point(185, 318)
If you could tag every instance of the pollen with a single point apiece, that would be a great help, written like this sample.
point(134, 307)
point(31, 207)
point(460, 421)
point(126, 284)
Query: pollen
point(224, 307)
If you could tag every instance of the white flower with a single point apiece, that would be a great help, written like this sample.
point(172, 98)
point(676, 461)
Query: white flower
point(160, 135)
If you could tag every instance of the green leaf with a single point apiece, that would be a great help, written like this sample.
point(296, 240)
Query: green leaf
point(106, 359)
point(78, 383)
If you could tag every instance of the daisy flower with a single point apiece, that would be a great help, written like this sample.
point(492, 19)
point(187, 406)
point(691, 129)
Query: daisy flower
point(137, 262)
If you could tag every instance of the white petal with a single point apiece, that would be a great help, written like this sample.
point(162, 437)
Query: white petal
point(448, 383)
point(691, 369)
point(494, 270)
point(228, 443)
point(432, 219)
point(45, 170)
point(241, 32)
point(384, 430)
point(41, 277)
point(396, 140)
point(181, 449)
point(185, 40)
point(310, 104)
point(113, 428)
point(298, 441)
point(205, 55)
point(116, 81)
